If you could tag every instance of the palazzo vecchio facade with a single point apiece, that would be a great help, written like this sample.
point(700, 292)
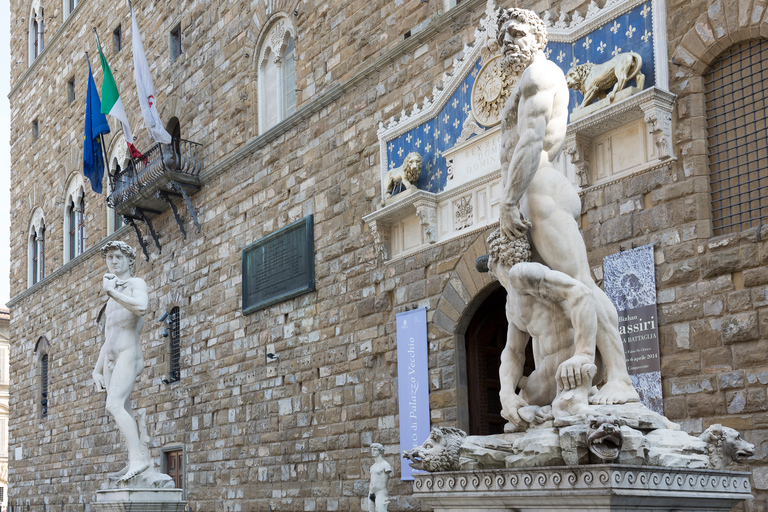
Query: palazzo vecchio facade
point(283, 111)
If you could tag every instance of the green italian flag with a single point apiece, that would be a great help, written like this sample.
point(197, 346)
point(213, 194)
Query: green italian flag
point(111, 103)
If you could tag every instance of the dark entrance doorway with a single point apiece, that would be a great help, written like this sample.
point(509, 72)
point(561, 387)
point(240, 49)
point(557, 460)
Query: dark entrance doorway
point(485, 339)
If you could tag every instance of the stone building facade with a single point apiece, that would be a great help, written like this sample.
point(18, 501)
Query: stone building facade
point(292, 432)
point(5, 340)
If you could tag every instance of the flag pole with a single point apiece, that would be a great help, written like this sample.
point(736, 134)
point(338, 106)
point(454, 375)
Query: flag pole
point(103, 146)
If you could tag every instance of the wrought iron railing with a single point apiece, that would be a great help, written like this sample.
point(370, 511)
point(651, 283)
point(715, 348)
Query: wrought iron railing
point(178, 156)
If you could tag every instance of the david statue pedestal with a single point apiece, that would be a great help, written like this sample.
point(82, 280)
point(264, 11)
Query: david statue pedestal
point(577, 436)
point(138, 486)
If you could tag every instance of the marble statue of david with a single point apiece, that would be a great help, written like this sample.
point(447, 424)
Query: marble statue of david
point(120, 360)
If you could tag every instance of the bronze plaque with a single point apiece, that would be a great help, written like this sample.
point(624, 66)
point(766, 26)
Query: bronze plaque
point(280, 266)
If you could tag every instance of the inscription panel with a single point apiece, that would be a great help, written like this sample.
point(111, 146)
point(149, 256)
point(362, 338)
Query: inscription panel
point(280, 266)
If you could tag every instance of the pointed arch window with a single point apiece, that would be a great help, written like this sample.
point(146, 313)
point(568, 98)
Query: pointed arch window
point(36, 248)
point(74, 219)
point(36, 31)
point(277, 74)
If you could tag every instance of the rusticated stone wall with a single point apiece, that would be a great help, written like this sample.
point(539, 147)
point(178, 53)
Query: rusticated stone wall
point(294, 435)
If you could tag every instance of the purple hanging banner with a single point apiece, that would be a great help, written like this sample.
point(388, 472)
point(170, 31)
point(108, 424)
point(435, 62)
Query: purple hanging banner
point(412, 383)
point(629, 281)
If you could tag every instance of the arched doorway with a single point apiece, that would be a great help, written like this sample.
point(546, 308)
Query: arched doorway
point(484, 340)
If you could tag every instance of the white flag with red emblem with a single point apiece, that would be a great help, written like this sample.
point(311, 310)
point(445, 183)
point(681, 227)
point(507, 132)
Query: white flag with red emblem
point(145, 88)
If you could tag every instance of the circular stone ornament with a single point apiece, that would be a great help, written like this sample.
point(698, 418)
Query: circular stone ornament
point(491, 90)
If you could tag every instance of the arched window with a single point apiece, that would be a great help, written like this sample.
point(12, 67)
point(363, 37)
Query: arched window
point(69, 7)
point(277, 74)
point(36, 31)
point(36, 248)
point(41, 350)
point(737, 114)
point(74, 218)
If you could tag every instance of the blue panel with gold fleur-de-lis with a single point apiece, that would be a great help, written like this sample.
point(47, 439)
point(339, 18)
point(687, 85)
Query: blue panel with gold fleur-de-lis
point(434, 136)
point(632, 31)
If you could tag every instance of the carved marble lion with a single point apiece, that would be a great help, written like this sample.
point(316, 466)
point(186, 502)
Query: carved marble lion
point(405, 175)
point(595, 80)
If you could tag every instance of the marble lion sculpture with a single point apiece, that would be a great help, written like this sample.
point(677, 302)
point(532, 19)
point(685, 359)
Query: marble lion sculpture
point(725, 445)
point(405, 175)
point(595, 80)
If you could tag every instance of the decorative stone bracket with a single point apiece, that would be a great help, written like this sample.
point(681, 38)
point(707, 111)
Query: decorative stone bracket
point(653, 105)
point(422, 204)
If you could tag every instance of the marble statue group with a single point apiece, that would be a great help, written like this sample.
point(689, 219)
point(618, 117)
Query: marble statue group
point(555, 300)
point(578, 406)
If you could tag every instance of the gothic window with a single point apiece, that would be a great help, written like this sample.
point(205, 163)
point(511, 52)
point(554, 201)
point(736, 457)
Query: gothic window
point(737, 106)
point(36, 31)
point(277, 74)
point(41, 350)
point(36, 248)
point(69, 7)
point(74, 218)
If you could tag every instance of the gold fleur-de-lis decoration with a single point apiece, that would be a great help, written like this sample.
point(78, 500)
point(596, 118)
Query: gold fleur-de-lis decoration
point(574, 62)
point(586, 43)
point(645, 37)
point(630, 31)
point(615, 27)
point(561, 56)
point(646, 10)
point(601, 47)
point(616, 51)
point(548, 52)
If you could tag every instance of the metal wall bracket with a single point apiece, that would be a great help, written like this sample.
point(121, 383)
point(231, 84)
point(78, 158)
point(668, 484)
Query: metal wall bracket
point(175, 186)
point(142, 217)
point(165, 197)
point(131, 222)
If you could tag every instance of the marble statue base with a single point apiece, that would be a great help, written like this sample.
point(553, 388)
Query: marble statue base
point(139, 500)
point(596, 488)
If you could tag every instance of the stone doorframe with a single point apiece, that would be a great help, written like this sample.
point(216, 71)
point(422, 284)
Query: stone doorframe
point(462, 296)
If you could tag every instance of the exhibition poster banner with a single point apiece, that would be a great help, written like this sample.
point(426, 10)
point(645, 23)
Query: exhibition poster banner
point(412, 383)
point(629, 280)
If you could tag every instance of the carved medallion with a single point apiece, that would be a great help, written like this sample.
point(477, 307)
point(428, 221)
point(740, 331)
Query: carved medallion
point(491, 90)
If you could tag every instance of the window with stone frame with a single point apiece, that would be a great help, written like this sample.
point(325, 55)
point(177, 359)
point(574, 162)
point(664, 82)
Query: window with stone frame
point(174, 339)
point(74, 218)
point(41, 350)
point(69, 7)
point(737, 114)
point(277, 74)
point(35, 31)
point(36, 248)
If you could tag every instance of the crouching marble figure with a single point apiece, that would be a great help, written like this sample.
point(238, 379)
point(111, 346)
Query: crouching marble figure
point(120, 363)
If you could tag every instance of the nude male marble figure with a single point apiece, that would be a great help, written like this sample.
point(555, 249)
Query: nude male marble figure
point(120, 361)
point(381, 470)
point(533, 128)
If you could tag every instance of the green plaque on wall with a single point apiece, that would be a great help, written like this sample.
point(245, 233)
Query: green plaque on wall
point(279, 267)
